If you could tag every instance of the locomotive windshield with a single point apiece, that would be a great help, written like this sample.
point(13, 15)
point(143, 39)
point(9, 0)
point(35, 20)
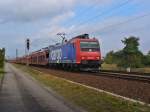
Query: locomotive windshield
point(90, 46)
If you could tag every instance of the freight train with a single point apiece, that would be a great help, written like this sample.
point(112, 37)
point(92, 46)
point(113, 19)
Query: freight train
point(80, 53)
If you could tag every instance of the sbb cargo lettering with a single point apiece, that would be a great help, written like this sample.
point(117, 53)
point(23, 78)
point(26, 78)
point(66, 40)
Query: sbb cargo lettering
point(56, 54)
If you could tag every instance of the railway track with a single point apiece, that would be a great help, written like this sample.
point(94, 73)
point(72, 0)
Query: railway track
point(136, 77)
point(126, 76)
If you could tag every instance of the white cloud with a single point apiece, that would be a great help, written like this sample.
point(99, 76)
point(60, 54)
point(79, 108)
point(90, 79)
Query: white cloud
point(96, 2)
point(30, 10)
point(60, 18)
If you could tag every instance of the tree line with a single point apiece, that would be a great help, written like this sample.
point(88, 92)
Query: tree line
point(130, 56)
point(2, 57)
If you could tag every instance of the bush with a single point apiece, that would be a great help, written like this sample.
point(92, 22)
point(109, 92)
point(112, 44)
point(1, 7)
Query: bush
point(2, 57)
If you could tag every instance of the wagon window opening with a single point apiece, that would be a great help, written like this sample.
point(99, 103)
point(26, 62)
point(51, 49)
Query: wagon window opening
point(47, 55)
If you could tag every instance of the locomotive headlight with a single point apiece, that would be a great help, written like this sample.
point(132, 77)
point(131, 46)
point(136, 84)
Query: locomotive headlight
point(98, 58)
point(82, 58)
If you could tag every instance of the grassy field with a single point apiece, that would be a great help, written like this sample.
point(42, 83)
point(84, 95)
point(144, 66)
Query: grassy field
point(115, 68)
point(88, 99)
point(109, 67)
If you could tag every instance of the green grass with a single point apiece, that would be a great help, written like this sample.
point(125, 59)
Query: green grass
point(142, 70)
point(109, 66)
point(114, 67)
point(1, 73)
point(88, 99)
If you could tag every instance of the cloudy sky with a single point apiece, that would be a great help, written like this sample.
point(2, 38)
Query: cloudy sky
point(40, 20)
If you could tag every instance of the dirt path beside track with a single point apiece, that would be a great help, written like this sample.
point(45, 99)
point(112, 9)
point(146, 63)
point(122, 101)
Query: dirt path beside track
point(20, 93)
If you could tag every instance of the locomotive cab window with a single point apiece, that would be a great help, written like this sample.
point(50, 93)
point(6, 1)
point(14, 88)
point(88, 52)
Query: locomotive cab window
point(89, 46)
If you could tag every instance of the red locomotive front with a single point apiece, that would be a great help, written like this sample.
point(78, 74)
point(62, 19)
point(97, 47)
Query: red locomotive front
point(87, 52)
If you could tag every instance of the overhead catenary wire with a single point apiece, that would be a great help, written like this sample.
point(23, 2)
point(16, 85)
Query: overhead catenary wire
point(80, 24)
point(84, 12)
point(124, 22)
point(101, 14)
point(140, 29)
point(105, 12)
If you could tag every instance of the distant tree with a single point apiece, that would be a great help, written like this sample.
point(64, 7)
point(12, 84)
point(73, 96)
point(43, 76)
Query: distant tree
point(109, 59)
point(118, 57)
point(131, 55)
point(131, 45)
point(148, 53)
point(2, 57)
point(146, 59)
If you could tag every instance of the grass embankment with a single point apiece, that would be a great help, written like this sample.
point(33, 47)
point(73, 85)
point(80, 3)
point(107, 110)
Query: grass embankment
point(1, 76)
point(113, 67)
point(88, 99)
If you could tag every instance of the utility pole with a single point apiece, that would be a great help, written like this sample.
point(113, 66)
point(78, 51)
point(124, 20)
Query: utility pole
point(63, 36)
point(16, 54)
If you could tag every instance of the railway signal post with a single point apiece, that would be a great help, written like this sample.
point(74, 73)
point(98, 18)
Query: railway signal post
point(27, 48)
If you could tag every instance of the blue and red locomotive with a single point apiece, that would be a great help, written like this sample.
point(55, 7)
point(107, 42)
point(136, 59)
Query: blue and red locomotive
point(80, 52)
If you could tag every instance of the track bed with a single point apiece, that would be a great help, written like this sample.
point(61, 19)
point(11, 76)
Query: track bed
point(129, 88)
